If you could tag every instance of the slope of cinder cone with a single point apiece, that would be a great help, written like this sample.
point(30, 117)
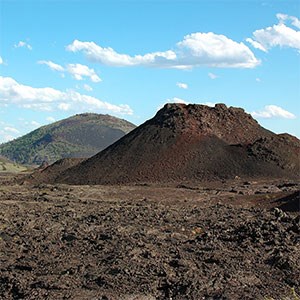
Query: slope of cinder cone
point(49, 173)
point(280, 149)
point(182, 142)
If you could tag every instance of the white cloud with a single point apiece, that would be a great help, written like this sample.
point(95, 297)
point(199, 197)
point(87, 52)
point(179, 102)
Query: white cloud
point(49, 99)
point(109, 56)
point(172, 100)
point(177, 100)
point(11, 129)
point(258, 79)
point(283, 18)
point(212, 76)
point(295, 22)
point(64, 106)
point(22, 44)
point(182, 85)
point(79, 71)
point(87, 87)
point(35, 124)
point(211, 104)
point(7, 132)
point(277, 35)
point(1, 60)
point(37, 106)
point(209, 49)
point(273, 111)
point(256, 44)
point(50, 119)
point(53, 66)
point(195, 50)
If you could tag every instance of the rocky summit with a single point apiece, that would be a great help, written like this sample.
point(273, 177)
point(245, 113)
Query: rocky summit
point(230, 124)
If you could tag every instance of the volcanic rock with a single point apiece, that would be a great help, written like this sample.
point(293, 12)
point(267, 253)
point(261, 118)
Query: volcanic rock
point(49, 172)
point(191, 143)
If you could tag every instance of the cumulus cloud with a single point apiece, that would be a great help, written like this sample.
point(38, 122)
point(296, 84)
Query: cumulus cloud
point(79, 71)
point(277, 35)
point(109, 56)
point(212, 76)
point(182, 85)
point(50, 99)
point(195, 50)
point(273, 111)
point(53, 66)
point(209, 49)
point(1, 60)
point(283, 18)
point(22, 44)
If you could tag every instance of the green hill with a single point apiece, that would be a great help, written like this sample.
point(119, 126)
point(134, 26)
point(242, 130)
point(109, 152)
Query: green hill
point(79, 136)
point(7, 166)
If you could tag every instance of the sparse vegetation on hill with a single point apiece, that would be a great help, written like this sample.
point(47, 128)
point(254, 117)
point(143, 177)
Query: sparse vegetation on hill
point(7, 166)
point(79, 136)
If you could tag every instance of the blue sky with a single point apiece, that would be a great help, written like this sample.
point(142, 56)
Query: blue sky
point(128, 58)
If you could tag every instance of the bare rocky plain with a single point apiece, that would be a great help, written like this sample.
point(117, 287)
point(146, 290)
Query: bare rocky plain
point(216, 240)
point(196, 203)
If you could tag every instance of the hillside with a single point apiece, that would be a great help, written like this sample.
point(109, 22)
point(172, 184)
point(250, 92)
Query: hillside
point(7, 166)
point(79, 136)
point(191, 143)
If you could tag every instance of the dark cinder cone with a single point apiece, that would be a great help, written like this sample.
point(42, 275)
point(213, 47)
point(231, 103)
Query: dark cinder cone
point(191, 143)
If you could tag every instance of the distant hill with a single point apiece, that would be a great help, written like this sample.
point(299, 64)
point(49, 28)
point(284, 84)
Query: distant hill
point(7, 166)
point(79, 136)
point(191, 143)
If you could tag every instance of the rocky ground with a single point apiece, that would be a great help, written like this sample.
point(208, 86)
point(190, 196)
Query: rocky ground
point(215, 241)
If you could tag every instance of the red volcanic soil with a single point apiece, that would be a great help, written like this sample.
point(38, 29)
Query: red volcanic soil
point(49, 173)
